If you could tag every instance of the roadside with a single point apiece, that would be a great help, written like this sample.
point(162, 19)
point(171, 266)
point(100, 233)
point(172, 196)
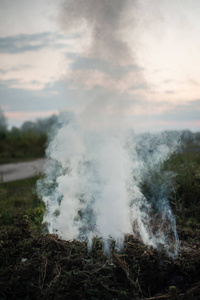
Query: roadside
point(21, 170)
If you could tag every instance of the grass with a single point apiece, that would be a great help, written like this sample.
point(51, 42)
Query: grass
point(19, 197)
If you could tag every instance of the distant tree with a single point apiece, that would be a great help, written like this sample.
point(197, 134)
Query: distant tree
point(39, 126)
point(197, 136)
point(15, 131)
point(3, 121)
point(28, 126)
point(187, 136)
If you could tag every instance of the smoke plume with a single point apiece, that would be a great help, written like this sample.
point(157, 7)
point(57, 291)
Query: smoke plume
point(106, 21)
point(104, 178)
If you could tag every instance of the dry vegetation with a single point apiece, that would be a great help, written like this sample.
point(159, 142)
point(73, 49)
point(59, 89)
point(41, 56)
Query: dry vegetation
point(38, 266)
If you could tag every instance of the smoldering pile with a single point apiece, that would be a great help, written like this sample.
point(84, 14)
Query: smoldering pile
point(107, 188)
point(36, 266)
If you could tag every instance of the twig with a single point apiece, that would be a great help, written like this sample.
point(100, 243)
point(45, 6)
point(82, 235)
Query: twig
point(43, 273)
point(55, 278)
point(165, 296)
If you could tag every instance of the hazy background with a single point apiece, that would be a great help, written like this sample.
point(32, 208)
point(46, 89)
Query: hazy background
point(41, 59)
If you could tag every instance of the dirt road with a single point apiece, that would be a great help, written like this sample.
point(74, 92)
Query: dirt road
point(21, 170)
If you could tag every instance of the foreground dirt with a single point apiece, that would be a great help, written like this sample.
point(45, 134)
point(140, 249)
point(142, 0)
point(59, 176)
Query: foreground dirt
point(38, 266)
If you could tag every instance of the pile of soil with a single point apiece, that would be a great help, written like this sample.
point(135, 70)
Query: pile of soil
point(38, 266)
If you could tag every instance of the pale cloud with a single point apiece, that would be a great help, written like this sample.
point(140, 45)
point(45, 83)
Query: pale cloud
point(32, 70)
point(26, 42)
point(27, 16)
point(34, 61)
point(170, 47)
point(158, 125)
point(29, 115)
point(52, 98)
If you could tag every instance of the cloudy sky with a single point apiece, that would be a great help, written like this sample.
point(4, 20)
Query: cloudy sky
point(140, 59)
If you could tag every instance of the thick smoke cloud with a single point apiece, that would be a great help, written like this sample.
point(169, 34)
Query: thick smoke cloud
point(103, 178)
point(106, 21)
point(104, 184)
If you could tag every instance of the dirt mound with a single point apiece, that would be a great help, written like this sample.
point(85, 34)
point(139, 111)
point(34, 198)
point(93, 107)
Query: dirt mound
point(38, 266)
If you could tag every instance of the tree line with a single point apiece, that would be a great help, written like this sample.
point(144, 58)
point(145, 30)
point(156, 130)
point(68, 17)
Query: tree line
point(30, 140)
point(27, 142)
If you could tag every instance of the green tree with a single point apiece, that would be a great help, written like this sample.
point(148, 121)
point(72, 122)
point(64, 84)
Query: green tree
point(3, 121)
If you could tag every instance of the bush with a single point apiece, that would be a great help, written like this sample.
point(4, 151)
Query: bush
point(17, 145)
point(185, 197)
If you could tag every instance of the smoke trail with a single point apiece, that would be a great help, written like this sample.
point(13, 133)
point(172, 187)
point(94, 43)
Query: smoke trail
point(102, 179)
point(105, 20)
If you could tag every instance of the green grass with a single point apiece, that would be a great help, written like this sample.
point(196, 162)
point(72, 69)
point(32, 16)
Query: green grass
point(185, 198)
point(19, 197)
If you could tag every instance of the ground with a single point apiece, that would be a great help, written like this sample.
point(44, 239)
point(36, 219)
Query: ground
point(35, 265)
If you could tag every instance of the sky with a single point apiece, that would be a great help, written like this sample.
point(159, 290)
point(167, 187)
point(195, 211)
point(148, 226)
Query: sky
point(139, 59)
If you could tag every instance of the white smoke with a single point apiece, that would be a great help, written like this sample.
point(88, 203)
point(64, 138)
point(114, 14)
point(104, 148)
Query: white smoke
point(108, 183)
point(102, 179)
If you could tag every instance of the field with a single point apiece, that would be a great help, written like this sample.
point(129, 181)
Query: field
point(37, 265)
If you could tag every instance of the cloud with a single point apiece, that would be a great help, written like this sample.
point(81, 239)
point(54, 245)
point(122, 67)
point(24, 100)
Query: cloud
point(102, 104)
point(15, 99)
point(27, 17)
point(23, 43)
point(33, 61)
point(169, 92)
point(86, 63)
point(188, 112)
point(173, 116)
point(29, 115)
